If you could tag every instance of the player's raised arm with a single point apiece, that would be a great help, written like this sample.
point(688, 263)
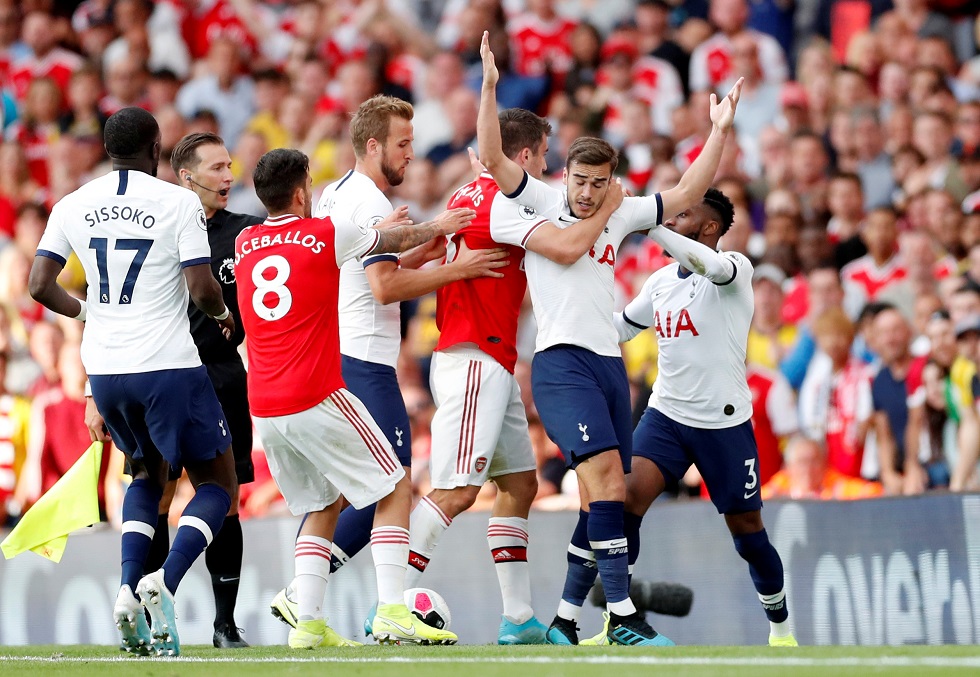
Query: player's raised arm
point(507, 173)
point(694, 256)
point(700, 175)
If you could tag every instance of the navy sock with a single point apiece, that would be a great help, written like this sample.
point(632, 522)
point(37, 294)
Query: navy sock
point(609, 546)
point(766, 570)
point(631, 525)
point(224, 560)
point(581, 564)
point(139, 515)
point(352, 535)
point(160, 546)
point(202, 518)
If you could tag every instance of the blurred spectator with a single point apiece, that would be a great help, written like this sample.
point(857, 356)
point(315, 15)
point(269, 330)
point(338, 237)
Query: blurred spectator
point(46, 342)
point(808, 173)
point(221, 89)
point(654, 36)
point(165, 49)
point(443, 75)
point(16, 182)
point(420, 191)
point(37, 127)
point(824, 292)
point(873, 163)
point(15, 414)
point(711, 62)
point(808, 475)
point(892, 341)
point(46, 59)
point(774, 418)
point(845, 202)
point(242, 199)
point(769, 339)
point(84, 116)
point(865, 278)
point(541, 40)
point(835, 398)
point(161, 90)
point(125, 81)
point(760, 101)
point(462, 105)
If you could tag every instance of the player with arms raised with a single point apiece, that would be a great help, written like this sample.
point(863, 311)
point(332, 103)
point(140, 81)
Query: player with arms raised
point(700, 410)
point(320, 439)
point(143, 245)
point(578, 377)
point(480, 427)
point(370, 289)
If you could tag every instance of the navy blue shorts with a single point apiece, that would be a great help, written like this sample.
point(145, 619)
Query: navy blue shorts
point(172, 413)
point(584, 402)
point(376, 385)
point(727, 458)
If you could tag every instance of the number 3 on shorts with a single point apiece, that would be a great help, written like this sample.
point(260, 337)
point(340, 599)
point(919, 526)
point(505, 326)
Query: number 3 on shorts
point(753, 477)
point(276, 286)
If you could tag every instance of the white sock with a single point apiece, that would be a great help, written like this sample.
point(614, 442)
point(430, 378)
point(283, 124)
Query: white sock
point(507, 538)
point(312, 557)
point(569, 611)
point(389, 548)
point(427, 525)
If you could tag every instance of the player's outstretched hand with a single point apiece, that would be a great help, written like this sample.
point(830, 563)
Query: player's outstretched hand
point(480, 262)
point(722, 112)
point(490, 73)
point(227, 326)
point(97, 430)
point(452, 220)
point(399, 217)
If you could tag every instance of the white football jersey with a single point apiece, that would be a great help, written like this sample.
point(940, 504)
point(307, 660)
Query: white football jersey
point(702, 329)
point(574, 304)
point(133, 234)
point(369, 331)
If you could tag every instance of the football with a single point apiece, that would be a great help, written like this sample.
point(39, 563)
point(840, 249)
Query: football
point(429, 607)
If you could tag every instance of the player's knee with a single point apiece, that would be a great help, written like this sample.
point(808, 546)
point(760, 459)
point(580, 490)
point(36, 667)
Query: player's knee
point(455, 501)
point(750, 545)
point(520, 488)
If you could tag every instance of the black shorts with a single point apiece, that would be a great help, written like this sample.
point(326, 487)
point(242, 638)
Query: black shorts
point(231, 386)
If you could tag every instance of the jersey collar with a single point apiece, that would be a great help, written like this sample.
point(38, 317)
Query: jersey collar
point(281, 220)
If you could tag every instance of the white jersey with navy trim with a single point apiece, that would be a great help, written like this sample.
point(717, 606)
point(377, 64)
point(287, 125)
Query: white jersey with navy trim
point(369, 331)
point(702, 329)
point(133, 234)
point(574, 304)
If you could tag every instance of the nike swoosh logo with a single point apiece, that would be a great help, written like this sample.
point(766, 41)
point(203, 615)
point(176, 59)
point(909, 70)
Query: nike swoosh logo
point(751, 495)
point(410, 631)
point(222, 579)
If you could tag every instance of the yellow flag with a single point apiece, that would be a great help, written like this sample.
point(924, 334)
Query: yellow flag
point(72, 503)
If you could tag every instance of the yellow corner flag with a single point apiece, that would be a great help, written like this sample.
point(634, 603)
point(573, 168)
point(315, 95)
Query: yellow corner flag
point(72, 503)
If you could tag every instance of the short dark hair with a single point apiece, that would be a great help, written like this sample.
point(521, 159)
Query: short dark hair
point(721, 206)
point(185, 155)
point(592, 151)
point(847, 176)
point(129, 133)
point(277, 176)
point(520, 129)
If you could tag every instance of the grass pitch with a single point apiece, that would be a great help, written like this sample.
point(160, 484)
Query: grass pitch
point(493, 661)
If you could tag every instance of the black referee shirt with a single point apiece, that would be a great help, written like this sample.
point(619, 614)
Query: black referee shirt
point(223, 228)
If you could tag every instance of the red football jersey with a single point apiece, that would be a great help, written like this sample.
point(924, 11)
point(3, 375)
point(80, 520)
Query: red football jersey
point(484, 310)
point(540, 45)
point(288, 274)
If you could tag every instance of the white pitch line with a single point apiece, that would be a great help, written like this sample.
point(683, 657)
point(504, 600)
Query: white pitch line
point(884, 661)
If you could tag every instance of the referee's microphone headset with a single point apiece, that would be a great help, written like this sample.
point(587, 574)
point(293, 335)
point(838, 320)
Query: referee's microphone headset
point(223, 192)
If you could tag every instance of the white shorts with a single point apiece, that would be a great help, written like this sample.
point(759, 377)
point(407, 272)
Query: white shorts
point(331, 449)
point(480, 427)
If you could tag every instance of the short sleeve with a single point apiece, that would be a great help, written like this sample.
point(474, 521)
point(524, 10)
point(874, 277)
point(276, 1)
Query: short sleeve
point(193, 247)
point(54, 242)
point(513, 223)
point(642, 213)
point(538, 196)
point(352, 241)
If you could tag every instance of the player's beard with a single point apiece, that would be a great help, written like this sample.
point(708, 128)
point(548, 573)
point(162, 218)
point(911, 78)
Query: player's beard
point(392, 175)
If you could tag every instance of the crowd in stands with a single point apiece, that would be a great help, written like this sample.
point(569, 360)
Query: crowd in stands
point(854, 170)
